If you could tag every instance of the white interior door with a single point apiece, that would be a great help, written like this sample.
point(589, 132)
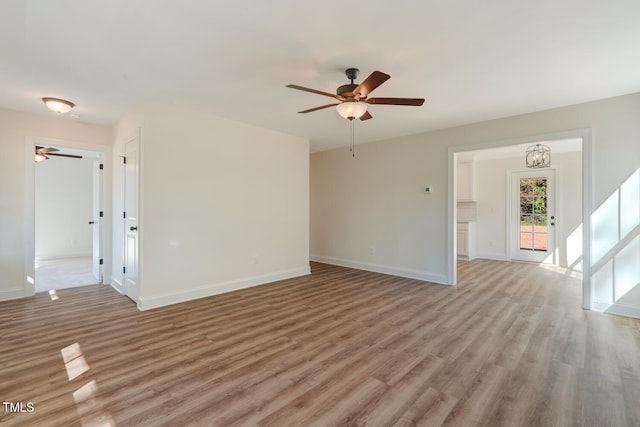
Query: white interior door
point(533, 216)
point(96, 221)
point(131, 260)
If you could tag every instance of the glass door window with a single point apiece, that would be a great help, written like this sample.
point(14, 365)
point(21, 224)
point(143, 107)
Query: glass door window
point(532, 220)
point(533, 214)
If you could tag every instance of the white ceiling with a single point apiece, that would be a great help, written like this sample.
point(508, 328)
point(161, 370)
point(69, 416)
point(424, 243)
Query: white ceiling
point(472, 60)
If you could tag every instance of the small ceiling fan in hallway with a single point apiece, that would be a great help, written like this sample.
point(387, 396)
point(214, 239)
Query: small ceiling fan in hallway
point(43, 153)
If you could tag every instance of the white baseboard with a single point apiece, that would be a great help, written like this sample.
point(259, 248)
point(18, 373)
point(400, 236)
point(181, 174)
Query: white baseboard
point(115, 284)
point(619, 309)
point(149, 302)
point(385, 269)
point(50, 257)
point(496, 256)
point(12, 293)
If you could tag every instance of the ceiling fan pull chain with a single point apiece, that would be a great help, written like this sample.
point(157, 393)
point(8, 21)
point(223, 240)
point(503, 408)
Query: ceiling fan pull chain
point(353, 146)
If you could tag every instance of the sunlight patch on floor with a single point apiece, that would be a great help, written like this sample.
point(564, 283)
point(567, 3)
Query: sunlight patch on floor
point(575, 274)
point(74, 361)
point(88, 405)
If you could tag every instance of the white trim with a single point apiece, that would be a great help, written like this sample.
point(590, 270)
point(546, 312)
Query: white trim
point(156, 301)
point(496, 256)
point(560, 241)
point(29, 204)
point(587, 209)
point(384, 269)
point(49, 257)
point(117, 285)
point(507, 214)
point(452, 219)
point(29, 218)
point(616, 308)
point(587, 197)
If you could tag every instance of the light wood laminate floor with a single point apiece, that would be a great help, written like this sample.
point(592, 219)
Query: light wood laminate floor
point(508, 346)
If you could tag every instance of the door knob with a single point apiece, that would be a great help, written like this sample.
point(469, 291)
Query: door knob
point(133, 228)
point(91, 222)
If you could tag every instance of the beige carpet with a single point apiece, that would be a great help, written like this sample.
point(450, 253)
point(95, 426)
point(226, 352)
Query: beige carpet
point(64, 273)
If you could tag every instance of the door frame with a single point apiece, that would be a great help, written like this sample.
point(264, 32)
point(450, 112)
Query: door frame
point(585, 134)
point(97, 211)
point(131, 291)
point(29, 205)
point(555, 208)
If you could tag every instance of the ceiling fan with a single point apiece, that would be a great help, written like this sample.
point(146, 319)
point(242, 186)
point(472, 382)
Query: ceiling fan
point(354, 97)
point(43, 154)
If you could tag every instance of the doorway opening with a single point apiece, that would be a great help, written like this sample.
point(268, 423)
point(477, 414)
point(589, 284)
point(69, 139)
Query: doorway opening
point(519, 214)
point(68, 213)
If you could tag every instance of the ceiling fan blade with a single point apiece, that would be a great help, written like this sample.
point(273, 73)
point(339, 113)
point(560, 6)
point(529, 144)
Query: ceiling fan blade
point(374, 80)
point(73, 156)
point(366, 116)
point(319, 92)
point(396, 101)
point(318, 108)
point(42, 150)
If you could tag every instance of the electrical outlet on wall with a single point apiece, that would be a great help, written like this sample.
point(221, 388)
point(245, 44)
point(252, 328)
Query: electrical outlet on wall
point(372, 250)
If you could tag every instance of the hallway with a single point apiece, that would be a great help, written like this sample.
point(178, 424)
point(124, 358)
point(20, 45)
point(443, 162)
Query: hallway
point(64, 273)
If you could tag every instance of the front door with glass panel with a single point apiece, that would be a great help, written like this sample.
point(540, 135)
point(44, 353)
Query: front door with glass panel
point(533, 216)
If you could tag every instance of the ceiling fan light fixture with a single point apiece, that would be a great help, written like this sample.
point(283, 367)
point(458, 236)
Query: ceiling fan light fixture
point(351, 109)
point(58, 105)
point(40, 158)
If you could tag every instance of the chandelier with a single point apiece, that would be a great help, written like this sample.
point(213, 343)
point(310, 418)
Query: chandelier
point(538, 156)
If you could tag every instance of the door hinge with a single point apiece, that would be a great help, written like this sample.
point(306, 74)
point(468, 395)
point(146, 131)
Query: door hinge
point(124, 215)
point(101, 261)
point(101, 166)
point(124, 159)
point(101, 214)
point(124, 270)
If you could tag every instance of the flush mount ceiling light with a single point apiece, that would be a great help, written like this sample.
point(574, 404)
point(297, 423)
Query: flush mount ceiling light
point(351, 109)
point(60, 106)
point(538, 156)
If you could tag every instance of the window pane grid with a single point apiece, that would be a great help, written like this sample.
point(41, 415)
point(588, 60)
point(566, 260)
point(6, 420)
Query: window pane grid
point(533, 214)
